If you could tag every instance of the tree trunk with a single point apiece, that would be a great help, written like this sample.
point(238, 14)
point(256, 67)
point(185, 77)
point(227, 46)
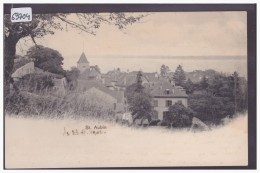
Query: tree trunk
point(9, 55)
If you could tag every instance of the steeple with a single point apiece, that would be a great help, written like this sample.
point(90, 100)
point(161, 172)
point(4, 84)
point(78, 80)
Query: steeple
point(83, 58)
point(83, 63)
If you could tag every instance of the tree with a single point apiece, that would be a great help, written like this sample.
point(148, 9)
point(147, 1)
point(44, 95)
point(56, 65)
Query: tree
point(238, 87)
point(46, 59)
point(72, 76)
point(179, 76)
point(139, 86)
point(189, 86)
point(203, 85)
point(210, 108)
point(140, 105)
point(218, 97)
point(44, 24)
point(179, 115)
point(236, 90)
point(164, 70)
point(97, 68)
point(138, 99)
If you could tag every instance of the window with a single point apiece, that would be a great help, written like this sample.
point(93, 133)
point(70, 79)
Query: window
point(168, 103)
point(155, 103)
point(167, 91)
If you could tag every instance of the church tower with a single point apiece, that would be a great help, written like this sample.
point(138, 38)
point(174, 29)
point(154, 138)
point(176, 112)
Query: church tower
point(83, 63)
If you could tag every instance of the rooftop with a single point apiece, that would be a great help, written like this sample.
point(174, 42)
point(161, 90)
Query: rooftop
point(165, 89)
point(83, 58)
point(87, 84)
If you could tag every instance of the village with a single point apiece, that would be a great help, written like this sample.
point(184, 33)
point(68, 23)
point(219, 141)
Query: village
point(111, 87)
point(133, 97)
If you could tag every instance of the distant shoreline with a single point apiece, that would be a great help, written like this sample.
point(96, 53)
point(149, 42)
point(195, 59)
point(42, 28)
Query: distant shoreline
point(233, 57)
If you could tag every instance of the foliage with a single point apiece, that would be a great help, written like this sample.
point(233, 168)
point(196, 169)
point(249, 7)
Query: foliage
point(129, 91)
point(203, 85)
point(138, 99)
point(96, 67)
point(222, 96)
point(16, 103)
point(140, 105)
point(189, 86)
point(48, 106)
point(45, 24)
point(35, 82)
point(46, 58)
point(210, 108)
point(164, 70)
point(72, 76)
point(139, 87)
point(179, 76)
point(179, 115)
point(197, 75)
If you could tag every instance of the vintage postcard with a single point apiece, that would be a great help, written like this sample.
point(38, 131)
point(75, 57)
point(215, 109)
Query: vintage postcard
point(125, 89)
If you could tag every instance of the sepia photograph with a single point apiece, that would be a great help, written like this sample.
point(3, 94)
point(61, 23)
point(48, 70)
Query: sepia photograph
point(122, 88)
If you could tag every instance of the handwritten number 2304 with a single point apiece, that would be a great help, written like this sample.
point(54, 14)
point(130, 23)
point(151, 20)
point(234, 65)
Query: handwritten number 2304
point(19, 16)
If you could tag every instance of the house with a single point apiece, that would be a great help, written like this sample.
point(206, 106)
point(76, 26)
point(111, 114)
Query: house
point(120, 80)
point(59, 81)
point(114, 99)
point(87, 72)
point(164, 94)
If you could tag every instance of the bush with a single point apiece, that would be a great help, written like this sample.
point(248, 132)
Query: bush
point(35, 82)
point(72, 105)
point(15, 103)
point(182, 121)
point(210, 108)
point(179, 116)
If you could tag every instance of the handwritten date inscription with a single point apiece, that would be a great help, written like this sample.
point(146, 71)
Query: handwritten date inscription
point(87, 130)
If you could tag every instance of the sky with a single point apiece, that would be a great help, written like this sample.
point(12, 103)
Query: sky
point(196, 40)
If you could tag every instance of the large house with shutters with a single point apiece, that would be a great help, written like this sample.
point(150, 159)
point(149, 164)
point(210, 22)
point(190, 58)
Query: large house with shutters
point(165, 94)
